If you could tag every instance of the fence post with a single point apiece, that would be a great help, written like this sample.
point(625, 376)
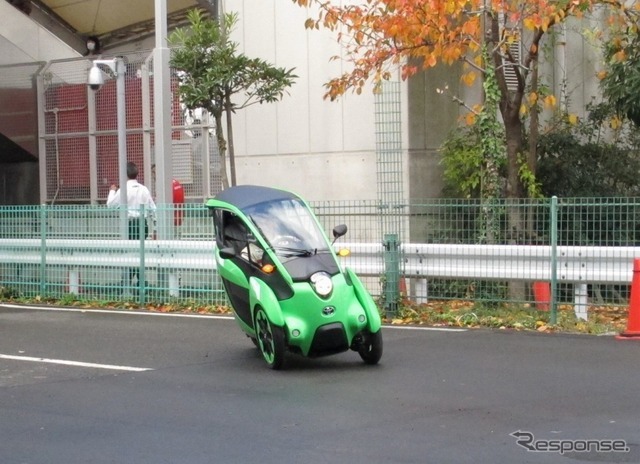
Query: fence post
point(391, 274)
point(554, 259)
point(142, 281)
point(43, 248)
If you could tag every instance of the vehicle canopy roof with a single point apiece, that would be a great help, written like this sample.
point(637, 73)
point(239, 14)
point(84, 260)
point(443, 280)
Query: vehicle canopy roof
point(246, 196)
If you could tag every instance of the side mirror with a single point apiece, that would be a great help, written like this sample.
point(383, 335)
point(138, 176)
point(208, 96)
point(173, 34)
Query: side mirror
point(339, 231)
point(227, 253)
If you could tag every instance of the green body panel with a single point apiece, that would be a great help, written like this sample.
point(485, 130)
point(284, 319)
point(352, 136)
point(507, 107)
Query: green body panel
point(365, 299)
point(304, 312)
point(231, 271)
point(261, 294)
point(244, 327)
point(234, 274)
point(213, 203)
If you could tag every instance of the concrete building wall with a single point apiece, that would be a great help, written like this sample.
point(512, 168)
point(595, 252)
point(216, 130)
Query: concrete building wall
point(432, 116)
point(319, 148)
point(572, 57)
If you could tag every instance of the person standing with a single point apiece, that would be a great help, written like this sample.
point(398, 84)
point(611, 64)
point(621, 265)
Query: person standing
point(137, 196)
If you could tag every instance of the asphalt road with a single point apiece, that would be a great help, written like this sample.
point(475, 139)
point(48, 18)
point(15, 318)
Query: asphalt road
point(74, 389)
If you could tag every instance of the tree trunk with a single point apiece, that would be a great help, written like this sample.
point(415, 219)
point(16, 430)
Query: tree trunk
point(513, 131)
point(222, 149)
point(228, 109)
point(515, 142)
point(532, 158)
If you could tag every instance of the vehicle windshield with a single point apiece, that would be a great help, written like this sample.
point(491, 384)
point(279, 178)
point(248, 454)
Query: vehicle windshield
point(289, 227)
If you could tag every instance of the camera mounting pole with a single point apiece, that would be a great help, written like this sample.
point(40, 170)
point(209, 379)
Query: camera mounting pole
point(111, 64)
point(117, 67)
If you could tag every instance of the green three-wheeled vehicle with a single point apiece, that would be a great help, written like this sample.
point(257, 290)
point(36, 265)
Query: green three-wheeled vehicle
point(286, 285)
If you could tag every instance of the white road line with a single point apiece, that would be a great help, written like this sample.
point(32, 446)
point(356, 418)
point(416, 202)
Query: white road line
point(205, 316)
point(432, 329)
point(115, 311)
point(75, 363)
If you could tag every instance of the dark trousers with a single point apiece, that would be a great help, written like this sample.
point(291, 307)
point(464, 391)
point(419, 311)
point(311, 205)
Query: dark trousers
point(134, 234)
point(134, 229)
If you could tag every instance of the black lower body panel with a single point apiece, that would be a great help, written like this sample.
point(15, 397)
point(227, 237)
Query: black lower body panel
point(329, 339)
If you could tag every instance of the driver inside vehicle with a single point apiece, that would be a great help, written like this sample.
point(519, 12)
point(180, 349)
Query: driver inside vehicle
point(277, 231)
point(242, 241)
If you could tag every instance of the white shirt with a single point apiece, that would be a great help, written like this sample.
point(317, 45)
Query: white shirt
point(137, 195)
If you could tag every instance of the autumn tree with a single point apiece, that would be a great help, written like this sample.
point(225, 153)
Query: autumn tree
point(621, 77)
point(380, 36)
point(578, 160)
point(214, 76)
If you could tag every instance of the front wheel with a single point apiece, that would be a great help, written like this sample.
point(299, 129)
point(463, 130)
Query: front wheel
point(270, 340)
point(370, 350)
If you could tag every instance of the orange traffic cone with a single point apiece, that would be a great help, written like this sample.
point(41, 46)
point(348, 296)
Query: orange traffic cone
point(402, 287)
point(542, 294)
point(633, 320)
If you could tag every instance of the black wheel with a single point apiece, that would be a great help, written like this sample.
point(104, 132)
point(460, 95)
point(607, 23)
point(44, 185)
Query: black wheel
point(371, 348)
point(270, 340)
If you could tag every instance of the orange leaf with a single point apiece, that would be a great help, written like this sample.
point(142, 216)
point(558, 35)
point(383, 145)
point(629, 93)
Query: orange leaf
point(620, 56)
point(470, 118)
point(550, 101)
point(523, 110)
point(529, 23)
point(469, 78)
point(615, 122)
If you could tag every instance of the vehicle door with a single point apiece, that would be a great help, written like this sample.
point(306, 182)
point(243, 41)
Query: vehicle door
point(232, 233)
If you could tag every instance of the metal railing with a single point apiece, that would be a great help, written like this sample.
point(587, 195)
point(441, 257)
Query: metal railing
point(584, 255)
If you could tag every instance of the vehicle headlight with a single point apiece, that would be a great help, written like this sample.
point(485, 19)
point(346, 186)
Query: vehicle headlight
point(322, 283)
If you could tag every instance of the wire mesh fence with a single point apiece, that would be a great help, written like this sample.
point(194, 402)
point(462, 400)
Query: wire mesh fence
point(55, 251)
point(78, 250)
point(79, 133)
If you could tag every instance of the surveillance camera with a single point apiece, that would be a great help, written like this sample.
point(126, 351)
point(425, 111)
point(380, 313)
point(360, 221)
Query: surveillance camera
point(95, 78)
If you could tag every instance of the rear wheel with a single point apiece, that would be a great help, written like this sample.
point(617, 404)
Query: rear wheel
point(270, 340)
point(371, 348)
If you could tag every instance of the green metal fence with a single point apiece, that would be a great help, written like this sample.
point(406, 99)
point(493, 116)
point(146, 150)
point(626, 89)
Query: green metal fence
point(55, 251)
point(58, 251)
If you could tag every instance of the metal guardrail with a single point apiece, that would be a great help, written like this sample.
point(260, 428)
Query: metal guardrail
point(77, 255)
point(169, 254)
point(574, 264)
point(579, 265)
